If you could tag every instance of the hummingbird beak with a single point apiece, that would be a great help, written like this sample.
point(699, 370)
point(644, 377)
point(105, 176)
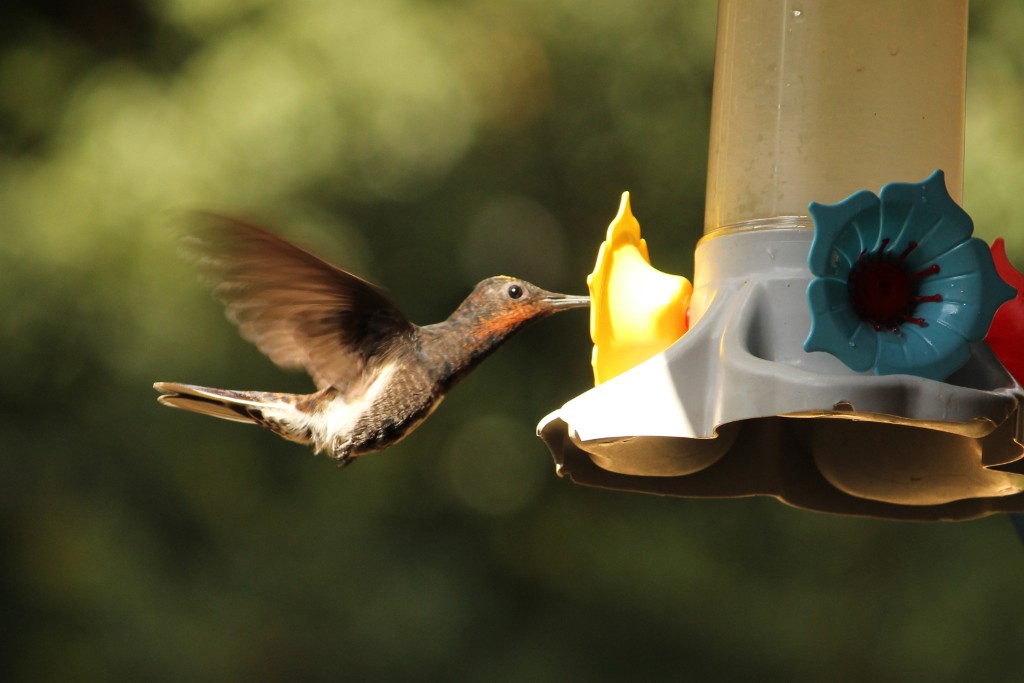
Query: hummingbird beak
point(561, 301)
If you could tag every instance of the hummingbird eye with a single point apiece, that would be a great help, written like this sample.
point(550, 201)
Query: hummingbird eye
point(515, 291)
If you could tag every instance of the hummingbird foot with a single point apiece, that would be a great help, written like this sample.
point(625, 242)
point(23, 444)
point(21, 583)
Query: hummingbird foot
point(340, 451)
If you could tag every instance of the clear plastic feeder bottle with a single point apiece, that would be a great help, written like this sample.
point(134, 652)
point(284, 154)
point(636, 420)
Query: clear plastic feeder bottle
point(814, 100)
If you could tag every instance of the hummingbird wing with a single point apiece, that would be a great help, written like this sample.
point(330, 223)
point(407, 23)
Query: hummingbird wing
point(299, 310)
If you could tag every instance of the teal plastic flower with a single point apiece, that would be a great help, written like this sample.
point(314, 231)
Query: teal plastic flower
point(900, 286)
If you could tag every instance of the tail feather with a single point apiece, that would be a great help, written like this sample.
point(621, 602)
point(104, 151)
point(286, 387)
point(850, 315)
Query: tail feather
point(238, 406)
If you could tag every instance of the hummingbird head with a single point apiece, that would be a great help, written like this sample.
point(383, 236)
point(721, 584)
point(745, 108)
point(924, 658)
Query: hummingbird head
point(501, 305)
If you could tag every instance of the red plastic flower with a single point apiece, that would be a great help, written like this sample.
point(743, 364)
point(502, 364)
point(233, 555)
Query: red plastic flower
point(1006, 335)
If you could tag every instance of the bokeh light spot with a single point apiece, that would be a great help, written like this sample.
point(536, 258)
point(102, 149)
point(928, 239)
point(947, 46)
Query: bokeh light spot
point(493, 465)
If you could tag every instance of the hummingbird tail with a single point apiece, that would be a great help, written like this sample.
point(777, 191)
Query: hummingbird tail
point(276, 412)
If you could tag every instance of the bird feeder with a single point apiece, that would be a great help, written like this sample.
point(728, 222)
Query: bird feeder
point(832, 351)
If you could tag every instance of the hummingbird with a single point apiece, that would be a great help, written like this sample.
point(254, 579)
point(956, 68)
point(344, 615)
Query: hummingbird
point(378, 375)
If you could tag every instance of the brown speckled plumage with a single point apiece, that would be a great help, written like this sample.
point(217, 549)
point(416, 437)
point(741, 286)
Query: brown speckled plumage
point(378, 375)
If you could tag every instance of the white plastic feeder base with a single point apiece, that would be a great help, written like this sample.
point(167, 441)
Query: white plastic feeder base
point(736, 407)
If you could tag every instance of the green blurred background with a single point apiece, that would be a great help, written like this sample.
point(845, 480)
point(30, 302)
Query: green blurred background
point(424, 144)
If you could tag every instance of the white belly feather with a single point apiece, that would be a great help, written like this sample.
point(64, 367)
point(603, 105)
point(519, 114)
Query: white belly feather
point(337, 419)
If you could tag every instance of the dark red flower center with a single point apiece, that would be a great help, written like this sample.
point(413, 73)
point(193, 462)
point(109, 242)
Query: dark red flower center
point(884, 292)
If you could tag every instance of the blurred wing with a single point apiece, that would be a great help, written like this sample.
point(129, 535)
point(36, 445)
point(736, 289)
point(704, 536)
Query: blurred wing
point(299, 310)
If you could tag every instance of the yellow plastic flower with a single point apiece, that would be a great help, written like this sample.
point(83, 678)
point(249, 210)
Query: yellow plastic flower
point(636, 311)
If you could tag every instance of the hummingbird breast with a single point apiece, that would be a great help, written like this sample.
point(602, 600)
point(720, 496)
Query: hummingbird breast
point(394, 403)
point(407, 383)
